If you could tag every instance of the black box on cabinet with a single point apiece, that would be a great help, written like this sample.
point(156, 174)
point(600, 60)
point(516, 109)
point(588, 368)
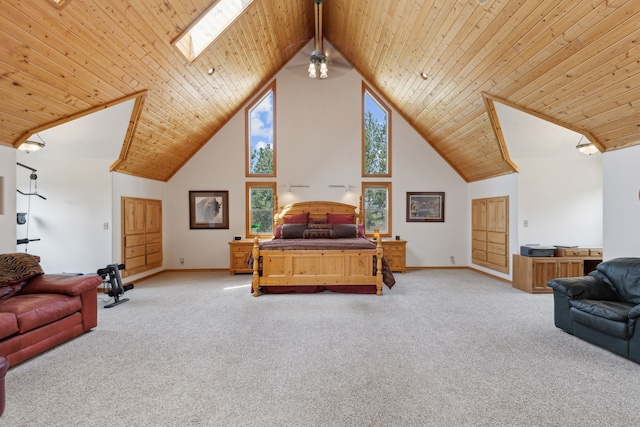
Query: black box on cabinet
point(537, 251)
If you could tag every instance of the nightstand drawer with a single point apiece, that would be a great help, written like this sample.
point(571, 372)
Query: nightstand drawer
point(569, 252)
point(597, 252)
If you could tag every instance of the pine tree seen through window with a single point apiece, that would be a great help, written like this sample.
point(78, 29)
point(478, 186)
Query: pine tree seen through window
point(261, 160)
point(376, 136)
point(260, 203)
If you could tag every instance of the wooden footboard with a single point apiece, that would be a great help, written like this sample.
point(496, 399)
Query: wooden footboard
point(316, 267)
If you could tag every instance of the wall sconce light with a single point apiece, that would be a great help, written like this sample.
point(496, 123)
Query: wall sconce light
point(346, 187)
point(31, 146)
point(586, 147)
point(290, 186)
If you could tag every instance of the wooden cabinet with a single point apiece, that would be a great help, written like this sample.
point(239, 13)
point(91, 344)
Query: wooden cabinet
point(531, 274)
point(141, 235)
point(395, 252)
point(490, 233)
point(239, 251)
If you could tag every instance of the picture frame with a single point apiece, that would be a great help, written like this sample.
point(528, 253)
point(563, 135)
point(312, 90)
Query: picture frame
point(208, 210)
point(425, 206)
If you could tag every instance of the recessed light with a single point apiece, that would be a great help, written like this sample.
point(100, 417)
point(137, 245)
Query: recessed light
point(423, 75)
point(482, 2)
point(211, 70)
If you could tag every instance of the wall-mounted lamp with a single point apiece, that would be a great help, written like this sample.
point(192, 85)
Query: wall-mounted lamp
point(290, 186)
point(586, 147)
point(31, 146)
point(346, 187)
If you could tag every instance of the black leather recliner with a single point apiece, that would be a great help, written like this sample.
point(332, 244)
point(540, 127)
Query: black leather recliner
point(603, 307)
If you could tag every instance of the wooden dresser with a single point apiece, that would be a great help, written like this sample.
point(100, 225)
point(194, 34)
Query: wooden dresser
point(531, 274)
point(395, 252)
point(141, 235)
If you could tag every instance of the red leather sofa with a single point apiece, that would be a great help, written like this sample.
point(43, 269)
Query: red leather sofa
point(39, 311)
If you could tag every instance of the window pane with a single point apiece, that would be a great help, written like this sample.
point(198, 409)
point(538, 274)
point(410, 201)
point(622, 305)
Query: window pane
point(261, 202)
point(375, 209)
point(261, 141)
point(376, 137)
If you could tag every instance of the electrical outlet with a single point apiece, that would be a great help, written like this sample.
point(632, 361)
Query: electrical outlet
point(453, 260)
point(181, 260)
point(105, 226)
point(526, 223)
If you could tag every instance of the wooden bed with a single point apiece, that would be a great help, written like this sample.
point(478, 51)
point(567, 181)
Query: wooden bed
point(337, 269)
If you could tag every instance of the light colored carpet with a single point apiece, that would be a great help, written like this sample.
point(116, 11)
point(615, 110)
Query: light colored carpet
point(442, 348)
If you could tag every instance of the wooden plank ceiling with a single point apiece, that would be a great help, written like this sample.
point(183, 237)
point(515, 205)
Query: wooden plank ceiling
point(576, 63)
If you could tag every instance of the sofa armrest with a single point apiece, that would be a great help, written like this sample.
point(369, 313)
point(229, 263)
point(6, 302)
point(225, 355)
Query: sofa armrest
point(586, 287)
point(634, 313)
point(61, 284)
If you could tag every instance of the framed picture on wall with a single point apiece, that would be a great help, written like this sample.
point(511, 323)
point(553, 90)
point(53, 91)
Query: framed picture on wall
point(208, 210)
point(425, 207)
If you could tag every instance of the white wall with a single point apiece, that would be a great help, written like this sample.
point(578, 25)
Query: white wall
point(70, 222)
point(318, 144)
point(621, 203)
point(7, 199)
point(559, 188)
point(73, 174)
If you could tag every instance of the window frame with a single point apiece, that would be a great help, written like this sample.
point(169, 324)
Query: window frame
point(247, 120)
point(376, 184)
point(249, 186)
point(366, 90)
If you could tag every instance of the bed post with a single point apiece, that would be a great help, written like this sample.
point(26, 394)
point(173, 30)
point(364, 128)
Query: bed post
point(360, 219)
point(255, 279)
point(379, 266)
point(276, 212)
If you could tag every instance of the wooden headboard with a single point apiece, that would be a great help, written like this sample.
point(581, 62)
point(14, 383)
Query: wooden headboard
point(318, 210)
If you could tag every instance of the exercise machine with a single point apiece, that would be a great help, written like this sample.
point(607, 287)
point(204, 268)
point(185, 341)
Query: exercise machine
point(111, 277)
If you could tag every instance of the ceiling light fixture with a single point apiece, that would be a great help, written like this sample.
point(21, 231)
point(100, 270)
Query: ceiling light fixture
point(318, 59)
point(423, 75)
point(31, 146)
point(586, 147)
point(481, 2)
point(211, 70)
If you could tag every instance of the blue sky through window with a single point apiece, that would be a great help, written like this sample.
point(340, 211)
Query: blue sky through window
point(261, 127)
point(370, 104)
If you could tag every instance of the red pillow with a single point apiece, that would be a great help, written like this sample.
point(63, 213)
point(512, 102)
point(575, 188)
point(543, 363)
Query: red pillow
point(302, 218)
point(339, 219)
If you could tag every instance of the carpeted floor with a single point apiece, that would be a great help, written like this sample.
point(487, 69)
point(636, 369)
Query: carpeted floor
point(442, 348)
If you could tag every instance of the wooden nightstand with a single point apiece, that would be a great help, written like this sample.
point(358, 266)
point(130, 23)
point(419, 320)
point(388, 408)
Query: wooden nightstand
point(395, 252)
point(239, 251)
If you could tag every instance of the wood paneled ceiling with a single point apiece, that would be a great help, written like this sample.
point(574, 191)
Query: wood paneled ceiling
point(576, 63)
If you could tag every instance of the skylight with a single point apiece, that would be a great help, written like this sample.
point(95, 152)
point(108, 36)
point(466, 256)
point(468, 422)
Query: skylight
point(60, 3)
point(209, 26)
